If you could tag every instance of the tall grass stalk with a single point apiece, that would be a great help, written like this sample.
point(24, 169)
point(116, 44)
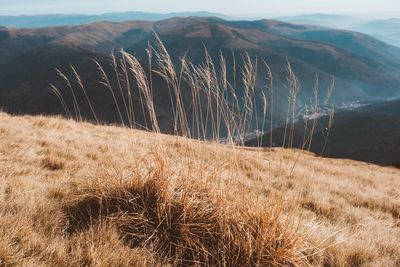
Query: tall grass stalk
point(271, 91)
point(131, 113)
point(61, 99)
point(75, 103)
point(314, 111)
point(114, 65)
point(166, 70)
point(328, 129)
point(294, 86)
point(106, 82)
point(80, 83)
point(144, 86)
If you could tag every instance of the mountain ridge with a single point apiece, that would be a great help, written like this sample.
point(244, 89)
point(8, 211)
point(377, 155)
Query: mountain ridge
point(46, 20)
point(29, 57)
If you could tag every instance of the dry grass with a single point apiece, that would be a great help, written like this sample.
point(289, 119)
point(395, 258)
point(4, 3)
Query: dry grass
point(218, 108)
point(74, 194)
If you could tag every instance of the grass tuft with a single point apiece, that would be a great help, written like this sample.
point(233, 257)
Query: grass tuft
point(186, 223)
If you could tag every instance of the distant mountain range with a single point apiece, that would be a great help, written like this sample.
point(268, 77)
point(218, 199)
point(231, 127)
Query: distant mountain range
point(387, 30)
point(325, 20)
point(35, 21)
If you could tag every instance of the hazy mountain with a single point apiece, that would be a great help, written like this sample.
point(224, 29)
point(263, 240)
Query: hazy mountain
point(33, 21)
point(325, 20)
point(364, 68)
point(387, 30)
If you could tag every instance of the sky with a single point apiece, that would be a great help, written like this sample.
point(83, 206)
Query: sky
point(229, 7)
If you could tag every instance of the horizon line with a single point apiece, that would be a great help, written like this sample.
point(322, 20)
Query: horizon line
point(238, 16)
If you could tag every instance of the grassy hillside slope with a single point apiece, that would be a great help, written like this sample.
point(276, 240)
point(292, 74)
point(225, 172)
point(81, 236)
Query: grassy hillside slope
point(74, 194)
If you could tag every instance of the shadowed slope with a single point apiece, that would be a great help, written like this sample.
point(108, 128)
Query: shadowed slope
point(369, 133)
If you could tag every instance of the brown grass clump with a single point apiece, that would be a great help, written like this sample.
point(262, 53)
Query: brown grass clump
point(186, 224)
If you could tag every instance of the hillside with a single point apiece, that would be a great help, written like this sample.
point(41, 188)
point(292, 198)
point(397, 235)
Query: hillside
point(369, 133)
point(76, 194)
point(364, 68)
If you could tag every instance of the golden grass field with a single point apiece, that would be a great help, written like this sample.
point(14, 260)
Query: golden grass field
point(76, 194)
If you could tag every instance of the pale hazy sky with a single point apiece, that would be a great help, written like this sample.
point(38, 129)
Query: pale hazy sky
point(230, 7)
